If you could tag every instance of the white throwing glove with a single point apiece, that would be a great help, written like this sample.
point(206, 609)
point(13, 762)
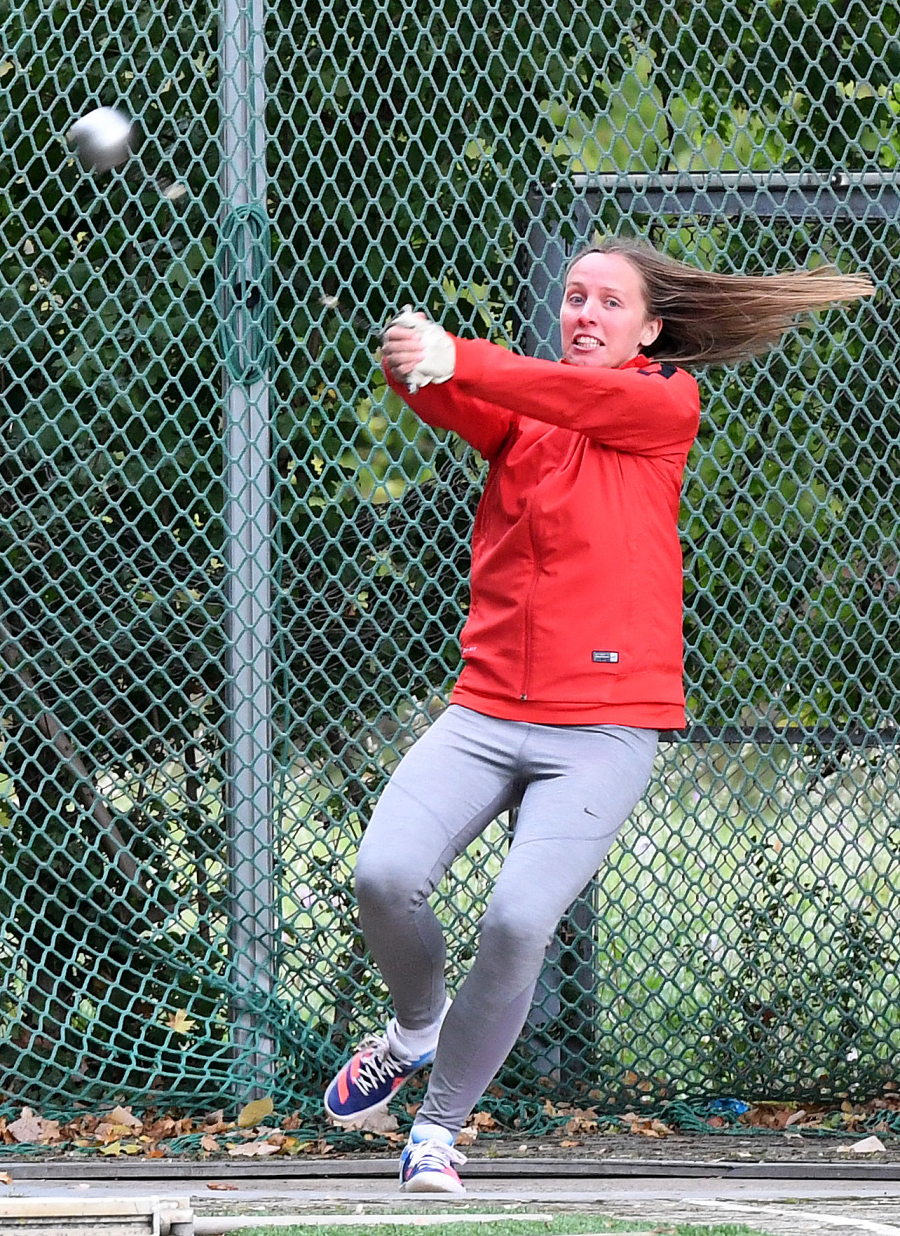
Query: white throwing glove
point(439, 361)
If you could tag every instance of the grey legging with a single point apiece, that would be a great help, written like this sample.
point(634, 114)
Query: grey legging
point(574, 785)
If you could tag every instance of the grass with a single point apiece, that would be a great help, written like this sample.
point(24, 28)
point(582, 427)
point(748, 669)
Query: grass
point(561, 1225)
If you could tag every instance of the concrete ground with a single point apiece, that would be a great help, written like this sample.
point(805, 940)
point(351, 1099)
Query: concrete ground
point(865, 1204)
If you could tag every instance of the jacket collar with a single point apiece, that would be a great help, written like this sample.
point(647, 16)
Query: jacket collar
point(636, 362)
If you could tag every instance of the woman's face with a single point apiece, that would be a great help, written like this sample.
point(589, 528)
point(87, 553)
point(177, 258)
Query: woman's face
point(603, 321)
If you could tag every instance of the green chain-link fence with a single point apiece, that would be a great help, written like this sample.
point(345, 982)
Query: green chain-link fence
point(234, 566)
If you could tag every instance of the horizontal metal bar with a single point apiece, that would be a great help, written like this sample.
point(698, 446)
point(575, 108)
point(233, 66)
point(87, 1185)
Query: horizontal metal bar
point(765, 195)
point(826, 737)
point(836, 179)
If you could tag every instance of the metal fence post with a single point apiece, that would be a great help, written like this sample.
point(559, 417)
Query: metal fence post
point(245, 306)
point(564, 999)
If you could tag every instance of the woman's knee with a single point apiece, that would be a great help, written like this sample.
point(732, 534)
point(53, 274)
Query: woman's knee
point(385, 884)
point(514, 930)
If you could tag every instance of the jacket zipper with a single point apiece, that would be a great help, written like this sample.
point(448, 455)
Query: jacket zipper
point(536, 573)
point(529, 607)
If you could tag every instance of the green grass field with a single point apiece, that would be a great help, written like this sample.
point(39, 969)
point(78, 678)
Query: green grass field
point(561, 1225)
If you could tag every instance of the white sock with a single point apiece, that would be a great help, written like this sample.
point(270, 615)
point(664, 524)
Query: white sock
point(411, 1044)
point(425, 1132)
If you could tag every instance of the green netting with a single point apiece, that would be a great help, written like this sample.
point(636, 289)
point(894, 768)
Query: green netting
point(234, 566)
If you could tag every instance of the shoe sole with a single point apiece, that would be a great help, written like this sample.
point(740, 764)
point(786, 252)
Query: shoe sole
point(433, 1182)
point(358, 1117)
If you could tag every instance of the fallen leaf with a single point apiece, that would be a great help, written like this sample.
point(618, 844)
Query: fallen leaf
point(849, 1119)
point(868, 1145)
point(107, 1132)
point(254, 1149)
point(124, 1115)
point(113, 1148)
point(254, 1113)
point(466, 1137)
point(180, 1022)
point(28, 1127)
point(215, 1184)
point(5, 1178)
point(35, 1128)
point(208, 1142)
point(377, 1122)
point(482, 1120)
point(647, 1127)
point(215, 1122)
point(795, 1118)
point(568, 1144)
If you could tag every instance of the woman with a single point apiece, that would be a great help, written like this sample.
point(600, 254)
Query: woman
point(572, 649)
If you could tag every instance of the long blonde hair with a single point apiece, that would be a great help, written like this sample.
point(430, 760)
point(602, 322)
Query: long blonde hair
point(719, 319)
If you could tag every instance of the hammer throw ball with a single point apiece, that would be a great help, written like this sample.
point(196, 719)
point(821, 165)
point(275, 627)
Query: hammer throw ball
point(102, 138)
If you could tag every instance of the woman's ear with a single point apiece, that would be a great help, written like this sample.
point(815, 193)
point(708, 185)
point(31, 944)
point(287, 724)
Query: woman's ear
point(651, 330)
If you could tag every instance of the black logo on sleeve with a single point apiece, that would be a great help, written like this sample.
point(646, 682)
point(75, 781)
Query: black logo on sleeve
point(605, 658)
point(664, 370)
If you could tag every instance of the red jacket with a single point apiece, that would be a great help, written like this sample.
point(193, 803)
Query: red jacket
point(576, 583)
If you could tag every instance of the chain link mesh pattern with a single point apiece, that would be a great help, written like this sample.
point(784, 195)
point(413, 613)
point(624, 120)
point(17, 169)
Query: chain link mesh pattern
point(234, 566)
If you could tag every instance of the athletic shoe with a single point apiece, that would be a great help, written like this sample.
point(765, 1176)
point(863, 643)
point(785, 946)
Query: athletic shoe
point(427, 1167)
point(369, 1080)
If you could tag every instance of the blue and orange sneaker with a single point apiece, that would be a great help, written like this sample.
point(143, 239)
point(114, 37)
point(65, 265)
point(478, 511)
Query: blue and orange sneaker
point(426, 1165)
point(369, 1080)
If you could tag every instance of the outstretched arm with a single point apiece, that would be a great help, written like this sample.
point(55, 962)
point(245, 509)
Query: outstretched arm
point(653, 409)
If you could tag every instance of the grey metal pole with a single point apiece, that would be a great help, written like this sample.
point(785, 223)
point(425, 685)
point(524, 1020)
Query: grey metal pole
point(245, 306)
point(545, 254)
point(561, 1026)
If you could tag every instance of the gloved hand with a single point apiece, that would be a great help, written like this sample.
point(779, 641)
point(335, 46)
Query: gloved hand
point(439, 351)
